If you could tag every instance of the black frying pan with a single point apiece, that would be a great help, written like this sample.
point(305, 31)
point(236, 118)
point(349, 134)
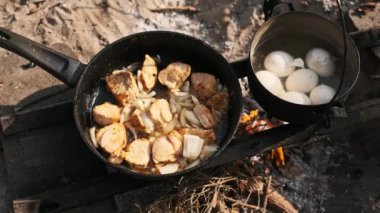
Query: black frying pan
point(169, 46)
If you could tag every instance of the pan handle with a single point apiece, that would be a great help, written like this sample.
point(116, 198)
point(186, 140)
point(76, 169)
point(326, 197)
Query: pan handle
point(59, 65)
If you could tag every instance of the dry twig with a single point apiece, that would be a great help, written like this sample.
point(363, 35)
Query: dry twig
point(265, 202)
point(188, 9)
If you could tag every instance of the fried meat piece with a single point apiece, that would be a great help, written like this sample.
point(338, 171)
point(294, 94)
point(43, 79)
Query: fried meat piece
point(205, 116)
point(123, 86)
point(138, 153)
point(219, 101)
point(177, 141)
point(112, 137)
point(174, 75)
point(160, 113)
point(141, 121)
point(203, 85)
point(148, 75)
point(207, 135)
point(106, 114)
point(162, 150)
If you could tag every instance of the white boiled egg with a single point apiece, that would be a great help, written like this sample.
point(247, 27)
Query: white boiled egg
point(271, 82)
point(321, 62)
point(296, 98)
point(279, 63)
point(322, 94)
point(302, 80)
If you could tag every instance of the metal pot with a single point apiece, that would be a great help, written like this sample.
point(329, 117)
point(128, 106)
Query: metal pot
point(287, 32)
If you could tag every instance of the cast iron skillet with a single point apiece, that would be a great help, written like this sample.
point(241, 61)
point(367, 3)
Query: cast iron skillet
point(169, 46)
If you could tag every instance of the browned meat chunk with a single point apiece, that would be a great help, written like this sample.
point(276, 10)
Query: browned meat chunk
point(205, 116)
point(106, 114)
point(147, 77)
point(162, 150)
point(167, 168)
point(174, 75)
point(112, 137)
point(138, 153)
point(207, 135)
point(218, 101)
point(160, 113)
point(203, 85)
point(123, 86)
point(140, 121)
point(176, 139)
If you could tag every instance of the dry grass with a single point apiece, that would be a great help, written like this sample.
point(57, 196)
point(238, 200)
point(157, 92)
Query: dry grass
point(241, 186)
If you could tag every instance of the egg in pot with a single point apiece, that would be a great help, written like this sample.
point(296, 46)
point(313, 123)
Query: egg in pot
point(279, 63)
point(296, 98)
point(322, 94)
point(321, 61)
point(302, 80)
point(271, 82)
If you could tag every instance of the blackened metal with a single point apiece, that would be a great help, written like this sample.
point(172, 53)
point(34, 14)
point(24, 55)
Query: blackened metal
point(269, 6)
point(40, 114)
point(59, 65)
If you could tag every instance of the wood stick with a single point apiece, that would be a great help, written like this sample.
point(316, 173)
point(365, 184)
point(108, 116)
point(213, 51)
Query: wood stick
point(240, 203)
point(264, 209)
point(190, 9)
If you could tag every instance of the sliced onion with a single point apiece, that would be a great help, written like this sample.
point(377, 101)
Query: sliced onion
point(195, 163)
point(93, 137)
point(173, 108)
point(208, 150)
point(133, 67)
point(167, 168)
point(219, 86)
point(146, 95)
point(195, 99)
point(140, 105)
point(195, 126)
point(186, 87)
point(216, 114)
point(125, 113)
point(182, 98)
point(192, 146)
point(183, 162)
point(190, 115)
point(147, 102)
point(174, 90)
point(117, 71)
point(179, 108)
point(139, 85)
point(147, 121)
point(182, 118)
point(186, 104)
point(132, 130)
point(115, 159)
point(181, 94)
point(171, 125)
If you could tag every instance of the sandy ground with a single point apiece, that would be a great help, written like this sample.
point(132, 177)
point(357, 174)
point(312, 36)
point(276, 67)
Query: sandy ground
point(82, 28)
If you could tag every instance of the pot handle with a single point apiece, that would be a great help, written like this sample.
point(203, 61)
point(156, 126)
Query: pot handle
point(59, 65)
point(269, 6)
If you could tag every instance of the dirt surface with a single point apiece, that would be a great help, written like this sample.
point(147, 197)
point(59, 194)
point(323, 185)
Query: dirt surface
point(82, 28)
point(337, 175)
